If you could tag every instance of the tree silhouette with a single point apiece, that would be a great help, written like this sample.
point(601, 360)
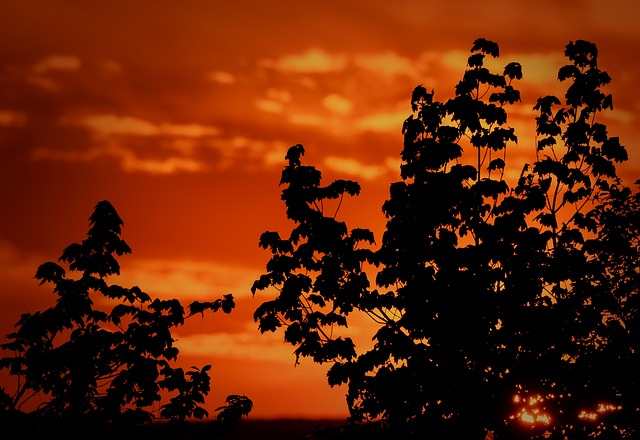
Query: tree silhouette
point(87, 365)
point(510, 310)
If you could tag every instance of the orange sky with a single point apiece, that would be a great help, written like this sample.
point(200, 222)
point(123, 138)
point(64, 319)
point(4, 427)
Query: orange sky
point(180, 114)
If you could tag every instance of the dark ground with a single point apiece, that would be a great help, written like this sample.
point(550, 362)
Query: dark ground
point(280, 429)
point(276, 429)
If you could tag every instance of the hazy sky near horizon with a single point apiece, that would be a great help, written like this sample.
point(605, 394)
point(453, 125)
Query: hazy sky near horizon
point(180, 114)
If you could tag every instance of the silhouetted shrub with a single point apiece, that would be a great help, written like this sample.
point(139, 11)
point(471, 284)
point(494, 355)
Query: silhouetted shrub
point(108, 369)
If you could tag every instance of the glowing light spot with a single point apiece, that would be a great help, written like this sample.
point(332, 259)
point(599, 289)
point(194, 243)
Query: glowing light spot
point(584, 415)
point(527, 418)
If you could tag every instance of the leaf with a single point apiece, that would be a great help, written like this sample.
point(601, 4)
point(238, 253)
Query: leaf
point(545, 103)
point(513, 70)
point(50, 272)
point(486, 46)
point(583, 53)
point(611, 149)
point(228, 303)
point(359, 234)
point(475, 60)
point(294, 154)
point(105, 217)
point(496, 164)
point(73, 254)
point(420, 97)
point(568, 71)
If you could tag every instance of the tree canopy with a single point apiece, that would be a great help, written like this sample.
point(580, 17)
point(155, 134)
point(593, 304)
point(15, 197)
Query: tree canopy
point(501, 307)
point(103, 353)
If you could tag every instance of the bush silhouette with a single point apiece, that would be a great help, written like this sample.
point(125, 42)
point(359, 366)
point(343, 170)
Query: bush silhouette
point(89, 366)
point(501, 308)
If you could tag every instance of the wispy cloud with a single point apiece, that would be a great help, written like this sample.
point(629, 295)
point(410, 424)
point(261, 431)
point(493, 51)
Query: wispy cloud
point(309, 119)
point(384, 64)
point(249, 345)
point(274, 102)
point(191, 279)
point(311, 61)
point(269, 105)
point(109, 124)
point(537, 68)
point(353, 167)
point(337, 104)
point(128, 159)
point(15, 264)
point(222, 77)
point(387, 64)
point(38, 74)
point(11, 118)
point(248, 150)
point(57, 62)
point(109, 141)
point(387, 122)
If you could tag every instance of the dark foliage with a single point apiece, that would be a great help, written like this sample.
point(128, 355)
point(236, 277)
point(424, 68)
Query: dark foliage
point(91, 367)
point(495, 304)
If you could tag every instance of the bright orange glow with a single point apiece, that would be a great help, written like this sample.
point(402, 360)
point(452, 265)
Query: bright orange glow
point(585, 415)
point(181, 117)
point(601, 409)
point(534, 418)
point(531, 410)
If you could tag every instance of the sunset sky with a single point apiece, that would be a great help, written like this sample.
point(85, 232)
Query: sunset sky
point(180, 114)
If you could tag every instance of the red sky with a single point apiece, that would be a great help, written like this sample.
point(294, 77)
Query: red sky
point(180, 113)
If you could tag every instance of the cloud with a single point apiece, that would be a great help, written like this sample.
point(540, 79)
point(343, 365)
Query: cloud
point(275, 101)
point(337, 104)
point(191, 279)
point(110, 67)
point(387, 64)
point(109, 125)
point(222, 77)
point(188, 130)
point(269, 105)
point(11, 118)
point(388, 122)
point(266, 152)
point(352, 167)
point(171, 165)
point(308, 119)
point(537, 68)
point(279, 95)
point(246, 346)
point(66, 63)
point(129, 161)
point(311, 61)
point(619, 115)
point(16, 265)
